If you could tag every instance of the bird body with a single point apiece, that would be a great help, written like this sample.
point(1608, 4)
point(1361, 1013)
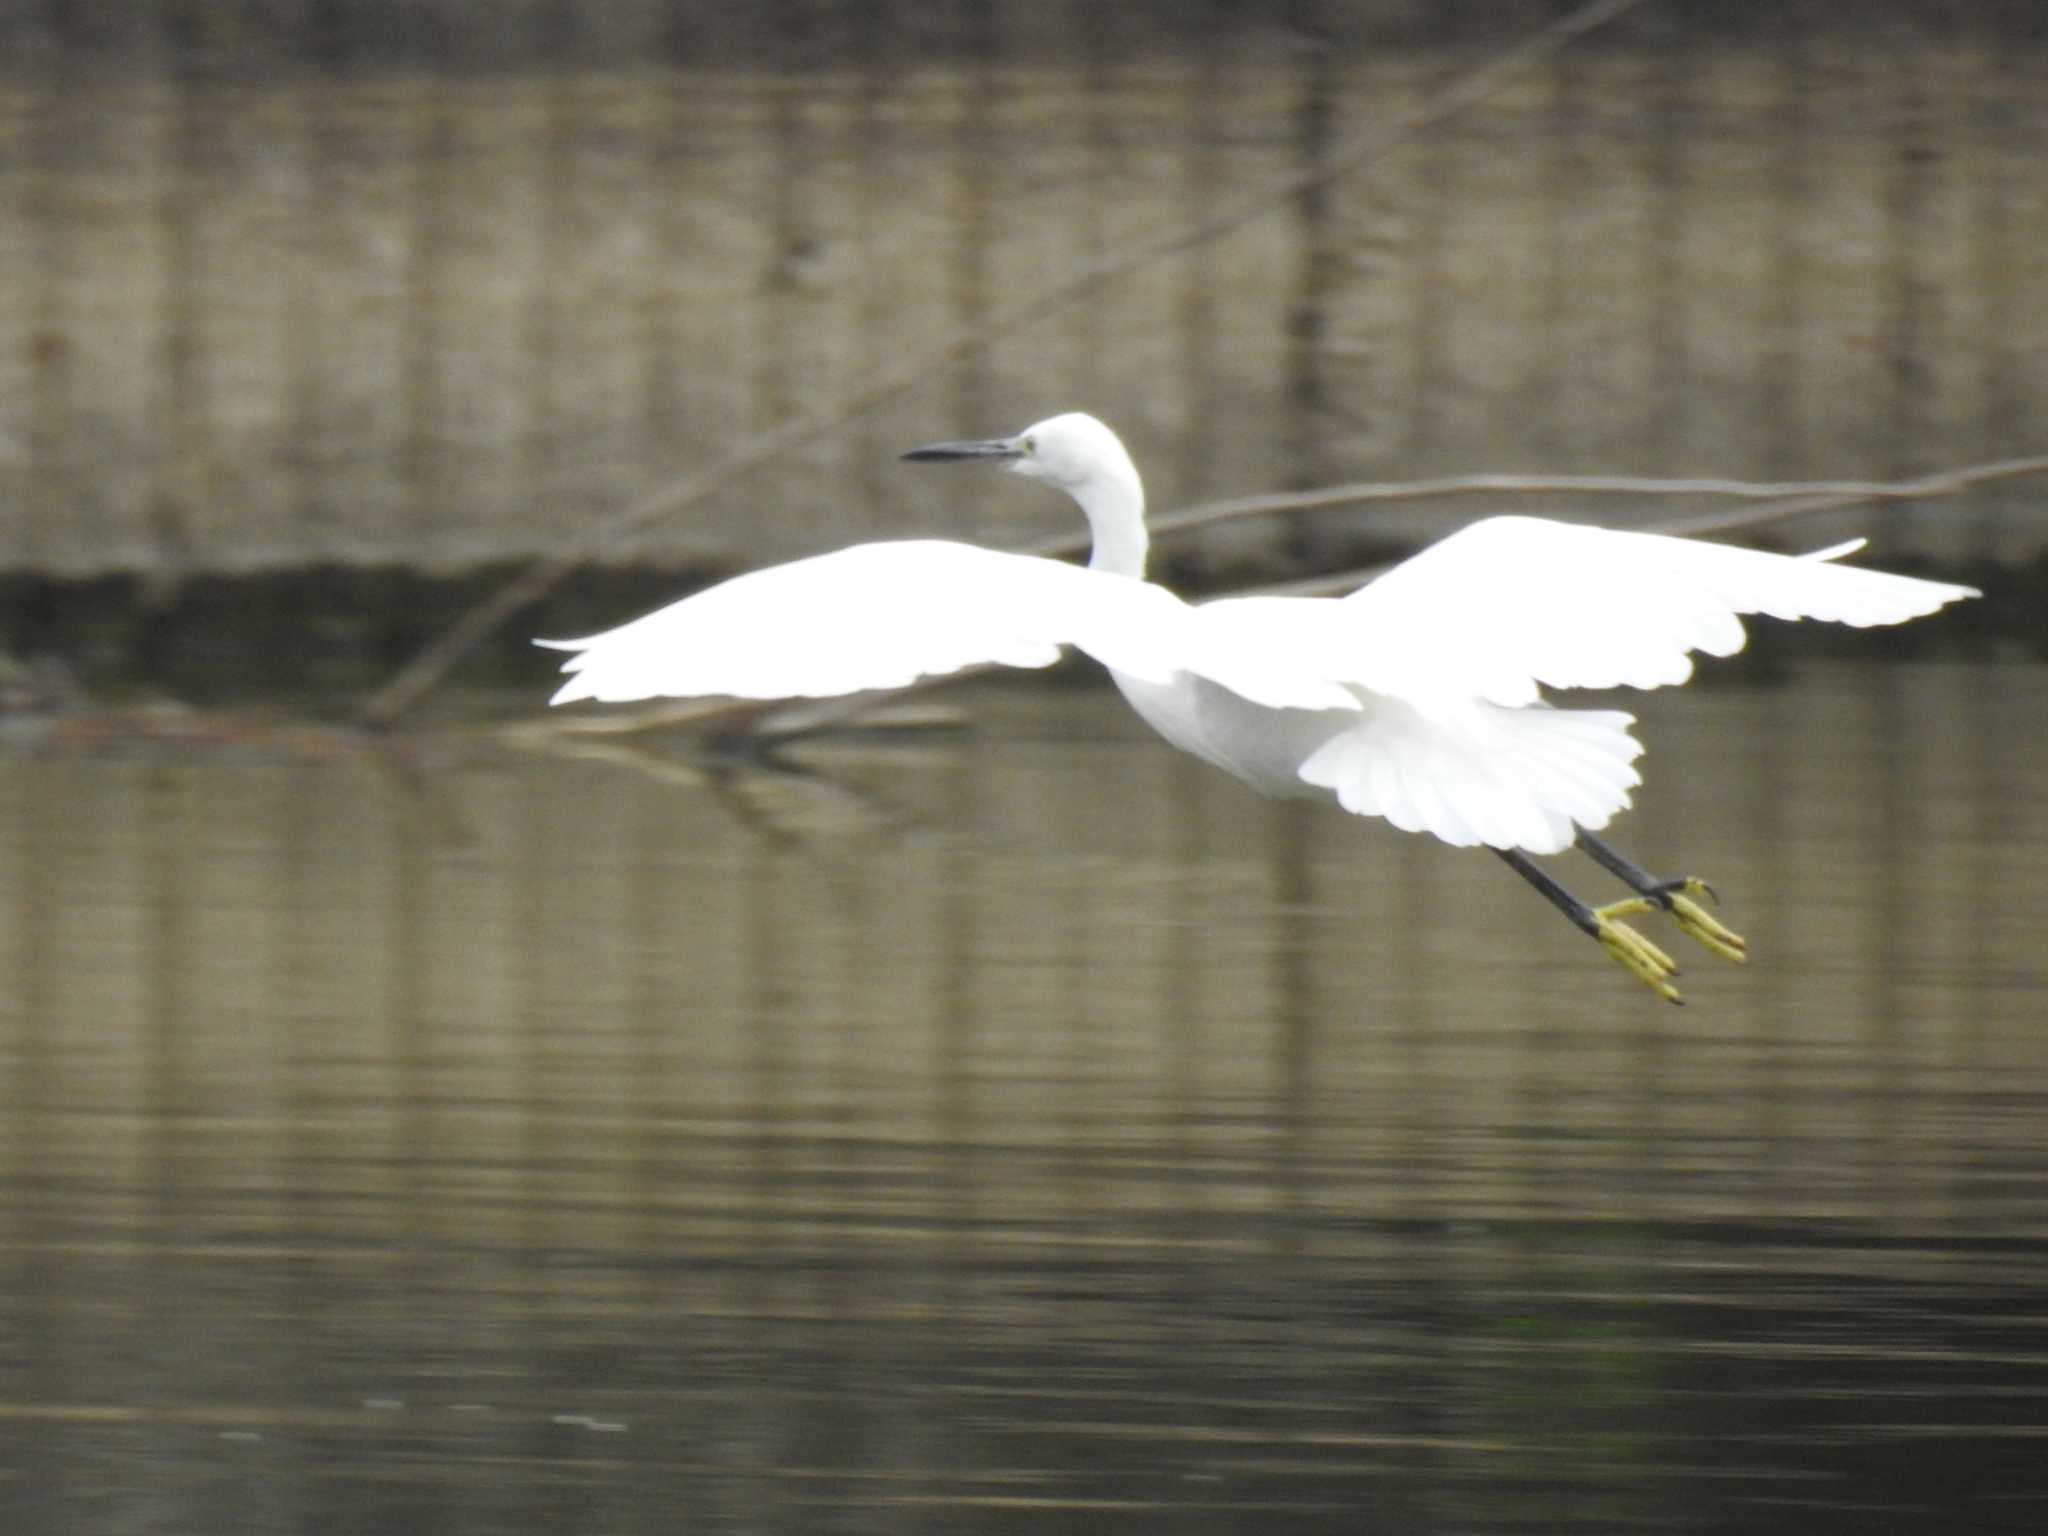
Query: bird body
point(1418, 698)
point(1263, 746)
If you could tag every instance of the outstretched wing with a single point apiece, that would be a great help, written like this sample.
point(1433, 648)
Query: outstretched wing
point(1452, 645)
point(884, 615)
point(1513, 602)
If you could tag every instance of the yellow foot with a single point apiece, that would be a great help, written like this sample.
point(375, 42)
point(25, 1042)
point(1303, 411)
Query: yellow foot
point(1697, 923)
point(1634, 953)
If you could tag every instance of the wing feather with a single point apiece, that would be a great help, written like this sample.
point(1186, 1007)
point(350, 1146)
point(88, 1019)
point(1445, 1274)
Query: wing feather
point(884, 615)
point(1450, 648)
point(1511, 603)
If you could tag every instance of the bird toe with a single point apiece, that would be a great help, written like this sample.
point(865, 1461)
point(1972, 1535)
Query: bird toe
point(1631, 951)
point(1700, 925)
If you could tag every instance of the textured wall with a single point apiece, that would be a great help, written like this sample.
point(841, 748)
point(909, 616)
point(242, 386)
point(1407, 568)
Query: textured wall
point(290, 283)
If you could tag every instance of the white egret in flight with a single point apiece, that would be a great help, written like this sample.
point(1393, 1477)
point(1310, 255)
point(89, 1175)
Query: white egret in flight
point(1415, 698)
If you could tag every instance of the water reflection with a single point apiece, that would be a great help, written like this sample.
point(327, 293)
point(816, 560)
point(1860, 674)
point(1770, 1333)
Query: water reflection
point(1077, 1143)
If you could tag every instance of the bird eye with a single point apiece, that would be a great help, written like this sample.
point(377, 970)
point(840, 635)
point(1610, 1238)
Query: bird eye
point(1030, 443)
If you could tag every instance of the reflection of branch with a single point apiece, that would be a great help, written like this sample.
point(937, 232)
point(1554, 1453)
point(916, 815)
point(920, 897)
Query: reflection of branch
point(788, 803)
point(549, 737)
point(548, 733)
point(752, 720)
point(420, 675)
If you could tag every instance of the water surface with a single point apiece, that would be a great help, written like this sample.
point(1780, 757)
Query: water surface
point(1023, 1130)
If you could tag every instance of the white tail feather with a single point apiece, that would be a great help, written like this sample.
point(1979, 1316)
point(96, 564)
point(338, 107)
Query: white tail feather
point(1481, 773)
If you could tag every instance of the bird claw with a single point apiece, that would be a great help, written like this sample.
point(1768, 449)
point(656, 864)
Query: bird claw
point(1631, 951)
point(1697, 923)
point(1700, 925)
point(1690, 885)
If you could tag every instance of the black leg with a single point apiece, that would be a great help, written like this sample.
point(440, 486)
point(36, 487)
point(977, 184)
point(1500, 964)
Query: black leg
point(1633, 875)
point(1634, 953)
point(1557, 895)
point(1673, 896)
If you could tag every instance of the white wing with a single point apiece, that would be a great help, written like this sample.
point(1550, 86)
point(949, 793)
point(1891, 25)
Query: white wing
point(1513, 602)
point(1452, 645)
point(885, 615)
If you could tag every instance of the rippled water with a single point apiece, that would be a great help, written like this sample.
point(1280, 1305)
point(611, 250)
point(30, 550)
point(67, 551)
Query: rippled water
point(1023, 1130)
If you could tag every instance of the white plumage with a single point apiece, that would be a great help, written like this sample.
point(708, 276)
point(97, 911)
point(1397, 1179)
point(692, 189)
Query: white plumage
point(1416, 698)
point(885, 615)
point(1511, 603)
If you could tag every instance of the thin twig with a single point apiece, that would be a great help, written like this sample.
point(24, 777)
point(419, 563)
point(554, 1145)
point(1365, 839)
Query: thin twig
point(1819, 496)
point(420, 675)
point(1799, 496)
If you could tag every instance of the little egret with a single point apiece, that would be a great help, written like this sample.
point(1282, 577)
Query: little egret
point(1415, 698)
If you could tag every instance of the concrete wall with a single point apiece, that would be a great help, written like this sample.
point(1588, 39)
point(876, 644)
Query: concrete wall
point(284, 285)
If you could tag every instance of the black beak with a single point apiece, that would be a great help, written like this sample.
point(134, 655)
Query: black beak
point(991, 448)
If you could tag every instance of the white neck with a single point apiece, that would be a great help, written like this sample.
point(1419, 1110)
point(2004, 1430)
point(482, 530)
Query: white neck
point(1114, 503)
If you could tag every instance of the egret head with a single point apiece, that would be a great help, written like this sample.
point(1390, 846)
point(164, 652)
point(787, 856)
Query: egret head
point(1072, 452)
point(1077, 454)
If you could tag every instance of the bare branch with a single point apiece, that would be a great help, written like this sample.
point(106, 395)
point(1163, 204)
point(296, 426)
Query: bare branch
point(1800, 496)
point(1815, 496)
